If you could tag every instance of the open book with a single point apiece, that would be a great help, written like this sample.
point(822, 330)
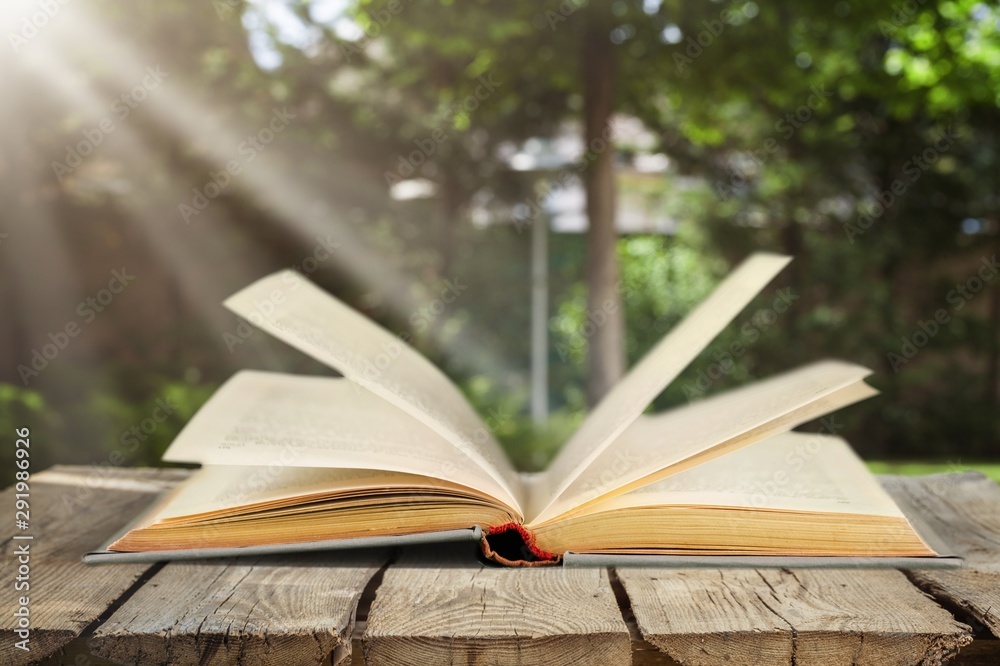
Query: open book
point(393, 453)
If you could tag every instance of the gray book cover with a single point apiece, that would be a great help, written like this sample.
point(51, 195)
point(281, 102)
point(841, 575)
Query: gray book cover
point(472, 536)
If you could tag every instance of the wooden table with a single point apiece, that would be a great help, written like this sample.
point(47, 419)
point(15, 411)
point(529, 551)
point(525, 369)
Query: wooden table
point(423, 606)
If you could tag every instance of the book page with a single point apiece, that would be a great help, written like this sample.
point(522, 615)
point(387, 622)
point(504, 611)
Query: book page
point(793, 471)
point(794, 494)
point(655, 371)
point(656, 446)
point(275, 420)
point(220, 488)
point(217, 508)
point(294, 310)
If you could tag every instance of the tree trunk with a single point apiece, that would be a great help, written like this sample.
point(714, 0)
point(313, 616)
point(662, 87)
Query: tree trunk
point(606, 340)
point(992, 396)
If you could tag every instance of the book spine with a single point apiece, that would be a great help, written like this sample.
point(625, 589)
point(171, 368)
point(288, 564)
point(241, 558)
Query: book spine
point(512, 545)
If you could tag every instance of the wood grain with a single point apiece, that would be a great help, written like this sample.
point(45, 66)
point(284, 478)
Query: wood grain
point(431, 609)
point(980, 653)
point(964, 510)
point(778, 616)
point(436, 606)
point(296, 609)
point(74, 509)
point(77, 653)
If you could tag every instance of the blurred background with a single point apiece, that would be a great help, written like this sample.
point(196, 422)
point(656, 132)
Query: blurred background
point(532, 193)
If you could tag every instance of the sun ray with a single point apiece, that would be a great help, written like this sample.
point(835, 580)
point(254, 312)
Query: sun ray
point(279, 193)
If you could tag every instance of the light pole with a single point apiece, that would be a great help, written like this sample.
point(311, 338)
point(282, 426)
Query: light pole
point(540, 320)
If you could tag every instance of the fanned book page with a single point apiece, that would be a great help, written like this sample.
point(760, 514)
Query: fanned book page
point(225, 490)
point(218, 508)
point(654, 447)
point(392, 451)
point(294, 310)
point(792, 494)
point(627, 400)
point(793, 471)
point(272, 419)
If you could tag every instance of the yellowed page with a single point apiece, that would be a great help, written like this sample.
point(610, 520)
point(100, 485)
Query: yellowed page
point(221, 487)
point(654, 372)
point(235, 506)
point(792, 471)
point(294, 310)
point(273, 420)
point(792, 494)
point(654, 445)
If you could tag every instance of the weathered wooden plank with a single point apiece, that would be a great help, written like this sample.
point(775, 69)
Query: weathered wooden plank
point(449, 609)
point(296, 609)
point(73, 510)
point(980, 653)
point(780, 616)
point(644, 653)
point(238, 611)
point(964, 510)
point(77, 653)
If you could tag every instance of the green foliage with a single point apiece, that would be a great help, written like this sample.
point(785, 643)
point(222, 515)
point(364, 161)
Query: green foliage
point(22, 408)
point(146, 427)
point(135, 431)
point(917, 468)
point(662, 279)
point(529, 447)
point(866, 275)
point(18, 403)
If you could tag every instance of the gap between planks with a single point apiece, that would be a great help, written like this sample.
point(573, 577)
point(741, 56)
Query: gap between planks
point(644, 653)
point(624, 603)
